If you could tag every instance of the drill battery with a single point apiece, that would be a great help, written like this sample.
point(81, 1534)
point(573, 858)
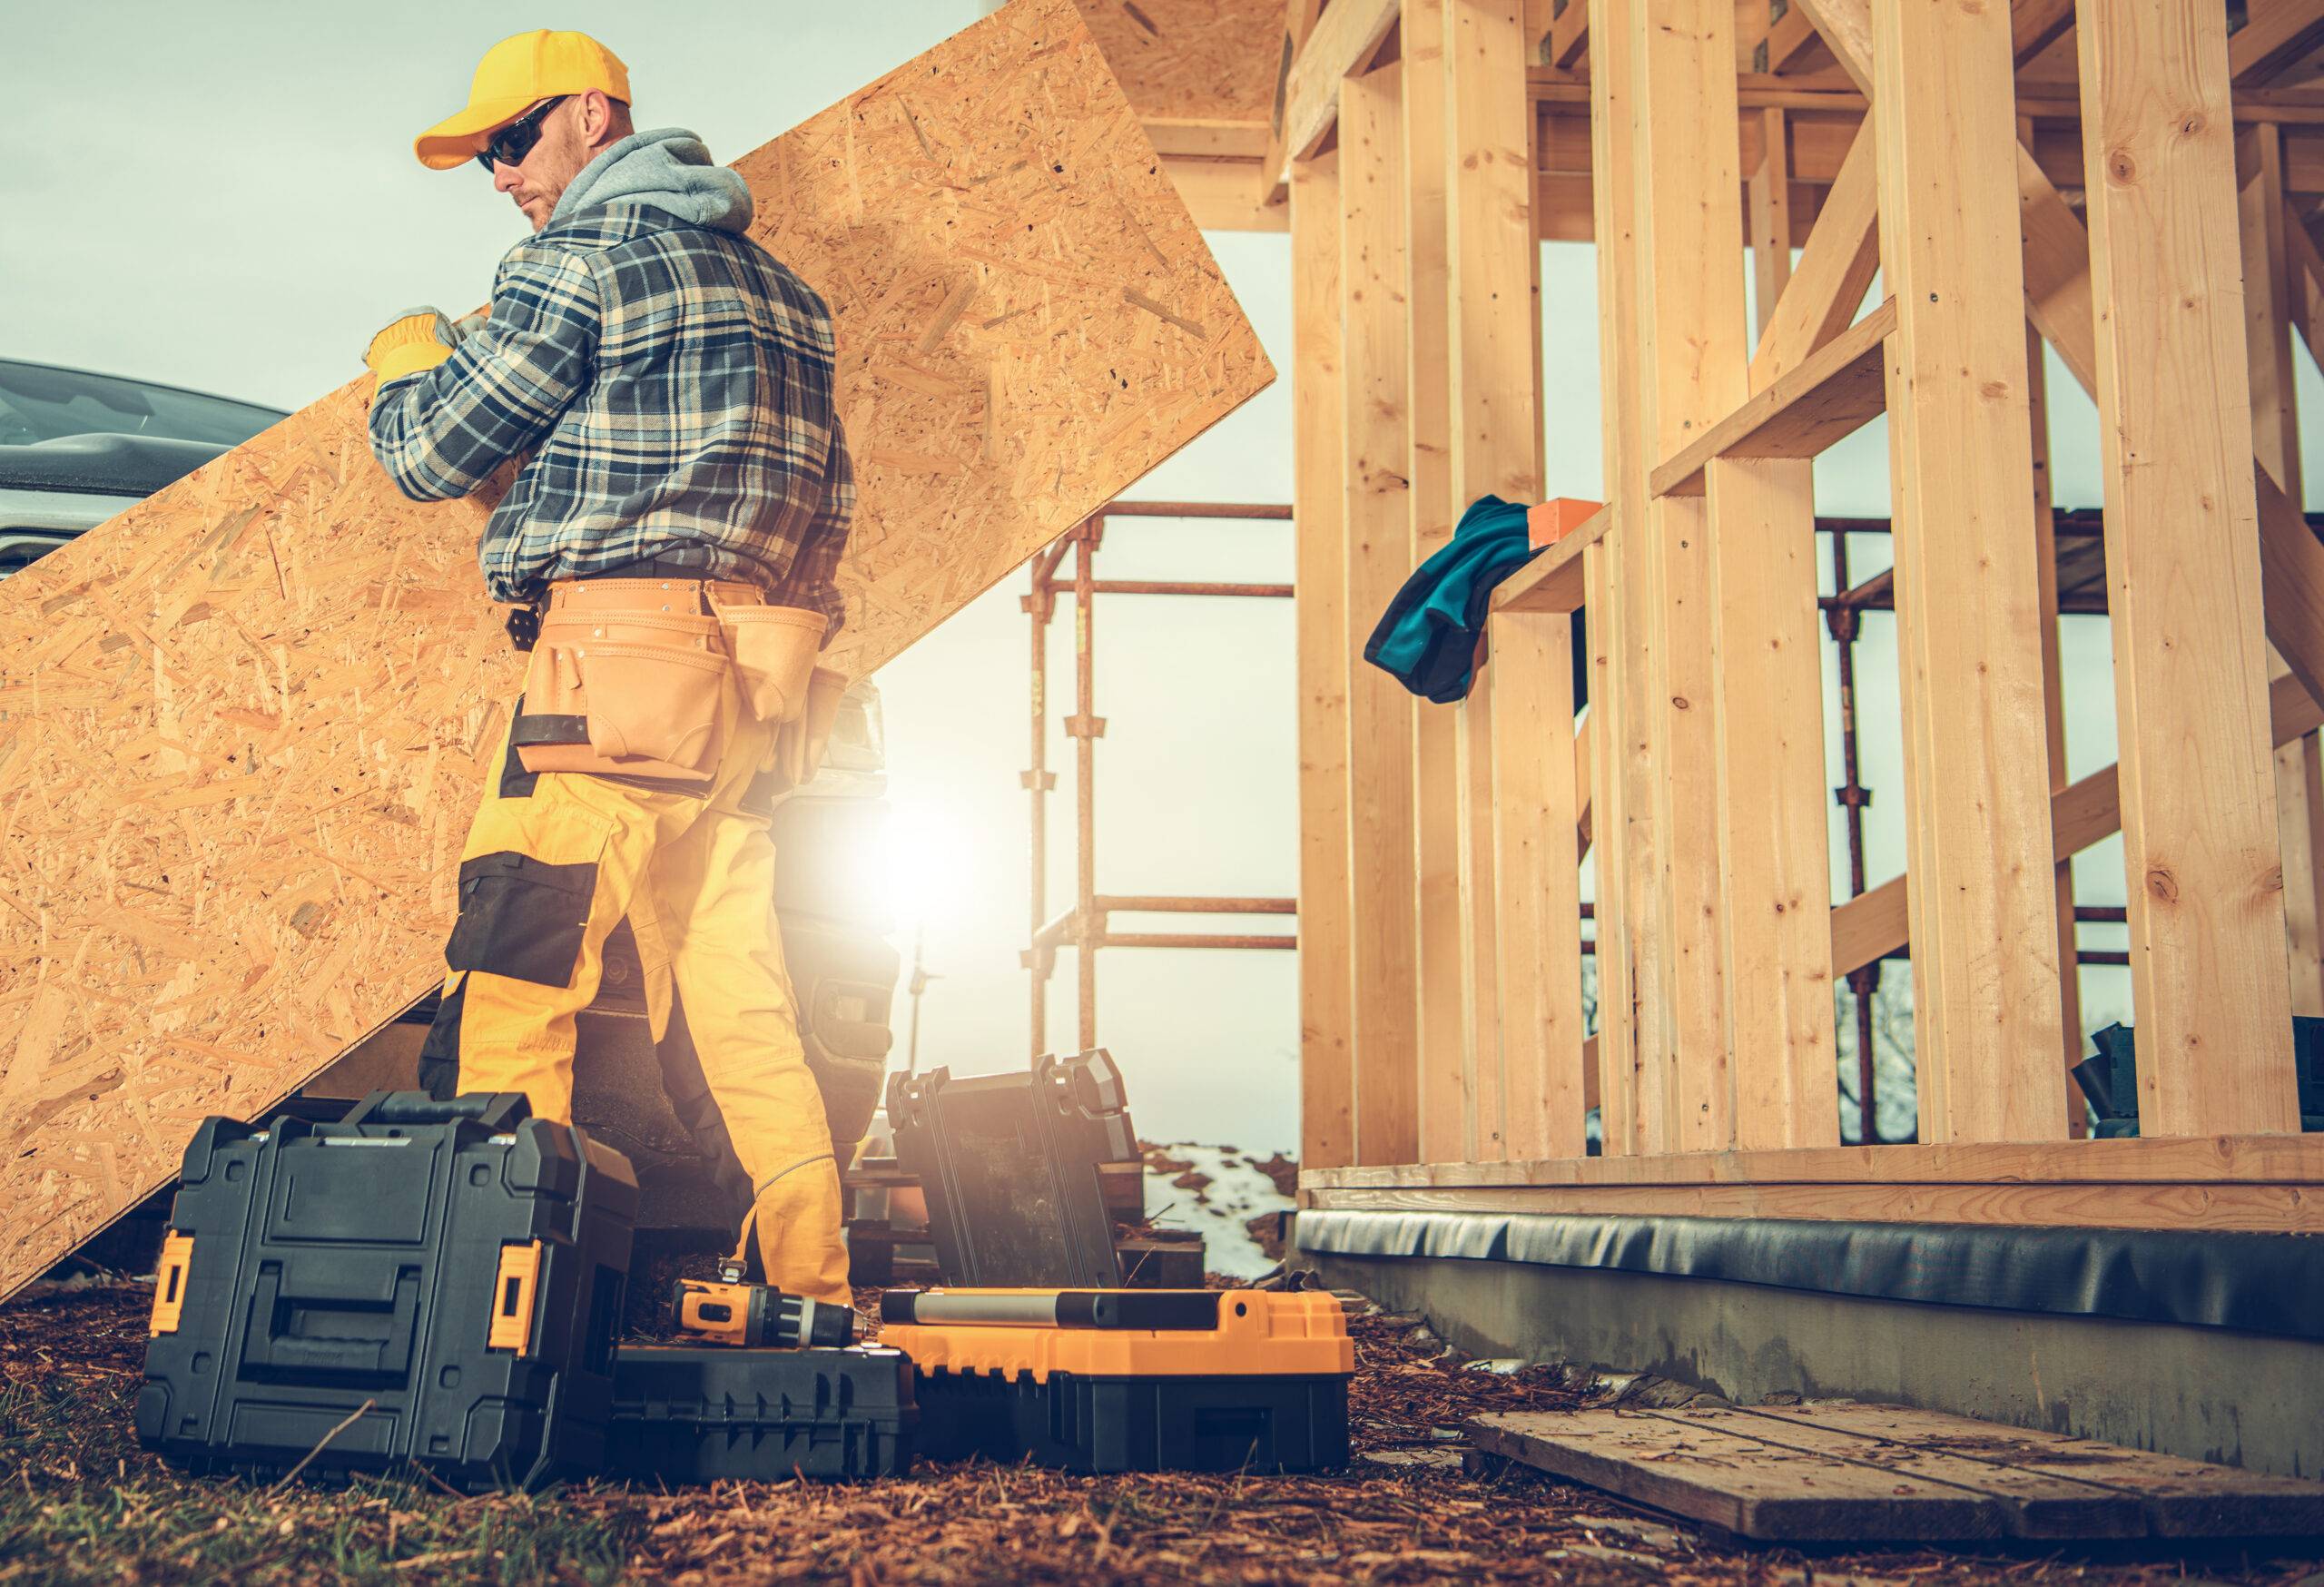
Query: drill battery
point(1142, 1380)
point(754, 1317)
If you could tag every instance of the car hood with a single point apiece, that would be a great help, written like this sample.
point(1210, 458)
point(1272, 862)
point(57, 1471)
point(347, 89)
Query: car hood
point(126, 465)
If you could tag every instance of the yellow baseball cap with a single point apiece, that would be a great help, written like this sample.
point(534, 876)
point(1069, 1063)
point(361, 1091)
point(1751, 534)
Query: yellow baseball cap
point(516, 74)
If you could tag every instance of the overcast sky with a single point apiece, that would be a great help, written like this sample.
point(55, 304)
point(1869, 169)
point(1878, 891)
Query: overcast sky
point(224, 197)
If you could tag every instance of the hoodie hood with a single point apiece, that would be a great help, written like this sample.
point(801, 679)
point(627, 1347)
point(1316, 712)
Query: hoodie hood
point(667, 168)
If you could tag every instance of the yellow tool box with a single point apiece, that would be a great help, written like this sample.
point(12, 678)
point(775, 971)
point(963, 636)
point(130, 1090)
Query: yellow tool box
point(1129, 1380)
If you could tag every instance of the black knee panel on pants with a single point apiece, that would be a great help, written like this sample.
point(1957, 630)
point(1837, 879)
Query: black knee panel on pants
point(521, 918)
point(439, 1055)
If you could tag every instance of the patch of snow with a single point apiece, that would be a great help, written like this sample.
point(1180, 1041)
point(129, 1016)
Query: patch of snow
point(1231, 1192)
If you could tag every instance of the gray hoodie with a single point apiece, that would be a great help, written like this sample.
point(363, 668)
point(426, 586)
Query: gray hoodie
point(668, 169)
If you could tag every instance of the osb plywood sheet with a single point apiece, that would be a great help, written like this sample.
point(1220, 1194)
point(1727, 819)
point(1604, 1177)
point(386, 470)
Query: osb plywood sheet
point(1206, 59)
point(243, 725)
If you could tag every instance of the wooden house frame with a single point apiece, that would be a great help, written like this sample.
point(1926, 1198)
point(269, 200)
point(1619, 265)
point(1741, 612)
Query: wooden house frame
point(2123, 180)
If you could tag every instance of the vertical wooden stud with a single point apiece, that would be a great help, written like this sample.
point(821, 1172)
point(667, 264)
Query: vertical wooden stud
point(1450, 1128)
point(2299, 821)
point(1770, 198)
point(1376, 352)
point(1630, 1023)
point(1610, 1066)
point(1982, 898)
point(2275, 437)
point(1692, 373)
point(1490, 261)
point(2053, 714)
point(1540, 937)
point(2208, 978)
point(1326, 1075)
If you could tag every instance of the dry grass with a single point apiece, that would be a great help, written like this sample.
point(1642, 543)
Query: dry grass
point(79, 1502)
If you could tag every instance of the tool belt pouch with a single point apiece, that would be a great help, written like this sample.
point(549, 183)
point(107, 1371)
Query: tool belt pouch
point(799, 745)
point(773, 650)
point(634, 693)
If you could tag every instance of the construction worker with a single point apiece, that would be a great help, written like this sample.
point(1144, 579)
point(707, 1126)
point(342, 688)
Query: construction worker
point(670, 543)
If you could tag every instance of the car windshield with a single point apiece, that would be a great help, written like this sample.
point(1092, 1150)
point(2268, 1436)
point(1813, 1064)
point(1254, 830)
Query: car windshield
point(40, 403)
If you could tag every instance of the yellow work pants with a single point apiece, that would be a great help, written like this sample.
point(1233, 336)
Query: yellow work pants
point(553, 863)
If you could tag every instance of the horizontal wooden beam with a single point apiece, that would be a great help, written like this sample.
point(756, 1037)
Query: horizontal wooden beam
point(1874, 924)
point(2043, 102)
point(1552, 582)
point(2282, 1159)
point(1205, 137)
point(1222, 197)
point(2258, 1208)
point(1834, 392)
point(1346, 38)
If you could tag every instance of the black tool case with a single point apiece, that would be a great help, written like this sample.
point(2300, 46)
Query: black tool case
point(689, 1414)
point(1010, 1166)
point(1225, 1424)
point(430, 1281)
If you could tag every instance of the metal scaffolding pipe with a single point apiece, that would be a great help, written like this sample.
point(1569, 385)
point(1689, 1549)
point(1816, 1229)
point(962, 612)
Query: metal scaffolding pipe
point(1199, 906)
point(1190, 940)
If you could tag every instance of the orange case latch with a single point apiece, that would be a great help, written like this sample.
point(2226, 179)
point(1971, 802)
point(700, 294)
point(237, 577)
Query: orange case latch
point(169, 1284)
point(512, 1299)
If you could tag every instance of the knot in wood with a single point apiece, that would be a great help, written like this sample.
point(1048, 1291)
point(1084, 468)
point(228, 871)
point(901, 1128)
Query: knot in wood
point(2122, 169)
point(2162, 883)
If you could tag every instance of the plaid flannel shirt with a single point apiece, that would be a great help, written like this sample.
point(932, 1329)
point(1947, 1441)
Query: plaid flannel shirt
point(676, 382)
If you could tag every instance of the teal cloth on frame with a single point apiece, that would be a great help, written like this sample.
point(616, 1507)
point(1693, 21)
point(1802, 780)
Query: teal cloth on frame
point(1427, 639)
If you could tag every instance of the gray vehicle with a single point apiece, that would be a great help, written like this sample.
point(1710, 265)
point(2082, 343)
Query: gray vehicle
point(77, 448)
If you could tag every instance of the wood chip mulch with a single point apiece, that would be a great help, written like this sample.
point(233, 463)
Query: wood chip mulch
point(79, 1502)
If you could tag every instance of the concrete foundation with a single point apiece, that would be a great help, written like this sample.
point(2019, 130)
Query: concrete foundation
point(2242, 1399)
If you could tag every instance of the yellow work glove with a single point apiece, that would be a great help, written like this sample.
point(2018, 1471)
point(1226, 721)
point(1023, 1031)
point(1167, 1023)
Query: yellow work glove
point(416, 340)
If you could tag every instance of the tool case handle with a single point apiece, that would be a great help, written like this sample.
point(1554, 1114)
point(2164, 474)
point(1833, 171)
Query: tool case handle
point(297, 1334)
point(493, 1109)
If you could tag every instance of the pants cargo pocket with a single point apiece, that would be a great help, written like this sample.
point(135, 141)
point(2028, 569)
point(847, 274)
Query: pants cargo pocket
point(522, 918)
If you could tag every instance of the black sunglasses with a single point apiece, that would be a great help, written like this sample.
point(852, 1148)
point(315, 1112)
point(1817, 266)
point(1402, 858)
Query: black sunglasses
point(508, 146)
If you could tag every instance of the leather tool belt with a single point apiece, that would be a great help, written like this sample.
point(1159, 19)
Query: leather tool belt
point(646, 677)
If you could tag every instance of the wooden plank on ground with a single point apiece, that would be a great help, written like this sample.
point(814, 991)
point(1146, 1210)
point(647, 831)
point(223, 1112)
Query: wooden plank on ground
point(1383, 966)
point(1749, 1486)
point(2207, 973)
point(1326, 1075)
point(2031, 1504)
point(1028, 322)
point(1494, 341)
point(1693, 371)
point(1446, 1112)
point(2179, 1498)
point(1983, 906)
point(1832, 394)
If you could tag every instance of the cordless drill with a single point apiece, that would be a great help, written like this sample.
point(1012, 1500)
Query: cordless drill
point(727, 1311)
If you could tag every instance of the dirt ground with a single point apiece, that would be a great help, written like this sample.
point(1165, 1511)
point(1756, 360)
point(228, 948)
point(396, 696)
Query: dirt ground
point(80, 1502)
